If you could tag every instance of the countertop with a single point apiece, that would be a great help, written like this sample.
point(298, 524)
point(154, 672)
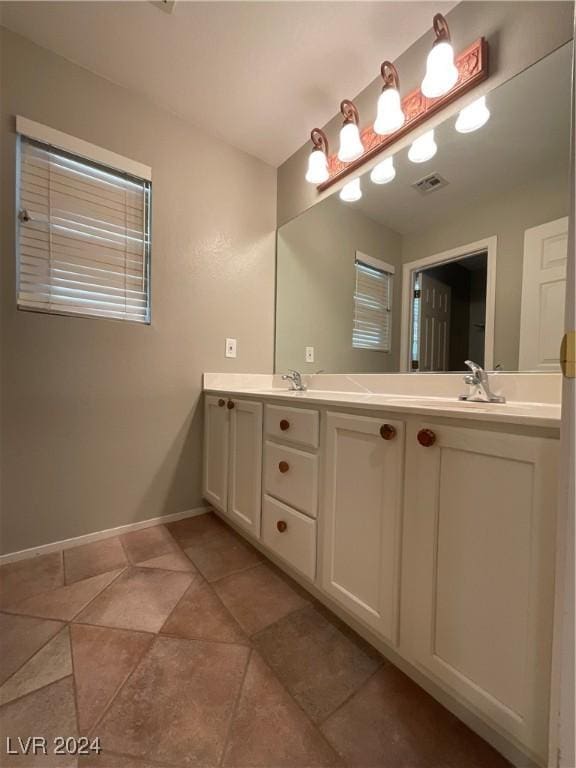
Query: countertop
point(512, 412)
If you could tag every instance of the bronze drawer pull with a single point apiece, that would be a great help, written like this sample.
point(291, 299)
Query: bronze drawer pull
point(284, 425)
point(426, 437)
point(221, 403)
point(387, 431)
point(283, 466)
point(281, 525)
point(230, 404)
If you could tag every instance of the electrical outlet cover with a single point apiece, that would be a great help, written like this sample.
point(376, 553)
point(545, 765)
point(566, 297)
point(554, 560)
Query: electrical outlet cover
point(230, 347)
point(309, 354)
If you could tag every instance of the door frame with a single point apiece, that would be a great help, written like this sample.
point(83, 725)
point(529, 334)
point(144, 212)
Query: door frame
point(488, 244)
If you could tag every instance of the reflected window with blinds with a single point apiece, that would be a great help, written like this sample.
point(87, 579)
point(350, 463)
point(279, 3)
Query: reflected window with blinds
point(83, 236)
point(372, 328)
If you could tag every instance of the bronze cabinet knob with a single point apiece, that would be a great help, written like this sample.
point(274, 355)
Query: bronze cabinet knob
point(387, 431)
point(283, 466)
point(284, 425)
point(221, 402)
point(281, 525)
point(426, 437)
point(230, 404)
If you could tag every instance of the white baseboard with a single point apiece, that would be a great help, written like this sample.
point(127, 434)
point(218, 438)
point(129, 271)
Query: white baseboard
point(87, 538)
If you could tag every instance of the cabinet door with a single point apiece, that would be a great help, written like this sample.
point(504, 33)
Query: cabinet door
point(478, 571)
point(361, 518)
point(215, 471)
point(245, 502)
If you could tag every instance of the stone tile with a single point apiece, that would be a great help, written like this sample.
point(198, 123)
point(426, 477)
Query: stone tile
point(270, 729)
point(222, 553)
point(51, 663)
point(65, 602)
point(93, 559)
point(140, 598)
point(176, 706)
point(20, 638)
point(48, 712)
point(176, 561)
point(258, 597)
point(25, 578)
point(200, 615)
point(319, 661)
point(103, 658)
point(148, 543)
point(393, 723)
point(196, 529)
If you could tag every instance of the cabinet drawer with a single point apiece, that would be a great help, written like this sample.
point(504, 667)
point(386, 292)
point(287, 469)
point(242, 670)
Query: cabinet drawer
point(291, 476)
point(290, 535)
point(297, 425)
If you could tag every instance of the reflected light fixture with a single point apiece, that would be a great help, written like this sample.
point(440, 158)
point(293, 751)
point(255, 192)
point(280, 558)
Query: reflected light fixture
point(389, 114)
point(423, 148)
point(473, 116)
point(351, 191)
point(350, 144)
point(441, 72)
point(384, 172)
point(318, 161)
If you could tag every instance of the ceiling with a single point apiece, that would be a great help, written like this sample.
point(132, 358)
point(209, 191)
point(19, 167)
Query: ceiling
point(260, 75)
point(524, 141)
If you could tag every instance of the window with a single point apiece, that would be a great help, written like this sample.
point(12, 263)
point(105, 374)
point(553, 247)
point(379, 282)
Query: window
point(83, 229)
point(372, 304)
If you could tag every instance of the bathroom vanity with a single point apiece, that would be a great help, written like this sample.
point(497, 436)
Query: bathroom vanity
point(426, 522)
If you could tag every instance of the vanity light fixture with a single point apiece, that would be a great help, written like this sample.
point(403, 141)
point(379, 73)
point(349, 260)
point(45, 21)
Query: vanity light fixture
point(473, 116)
point(384, 172)
point(351, 192)
point(441, 72)
point(350, 144)
point(318, 161)
point(389, 114)
point(423, 148)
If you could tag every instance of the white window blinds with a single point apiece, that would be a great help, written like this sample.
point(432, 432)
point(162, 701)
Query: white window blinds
point(83, 236)
point(372, 304)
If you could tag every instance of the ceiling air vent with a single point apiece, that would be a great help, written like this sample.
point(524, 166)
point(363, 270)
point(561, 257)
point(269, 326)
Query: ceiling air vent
point(430, 183)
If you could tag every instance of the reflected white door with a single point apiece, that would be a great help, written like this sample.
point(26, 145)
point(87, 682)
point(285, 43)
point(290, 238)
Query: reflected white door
point(434, 324)
point(543, 296)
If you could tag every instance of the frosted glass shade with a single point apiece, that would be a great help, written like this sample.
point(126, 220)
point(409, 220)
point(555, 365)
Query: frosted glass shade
point(389, 115)
point(441, 73)
point(317, 167)
point(473, 116)
point(350, 145)
point(351, 192)
point(384, 172)
point(423, 148)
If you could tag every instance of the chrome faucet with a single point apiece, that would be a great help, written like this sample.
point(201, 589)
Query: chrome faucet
point(295, 379)
point(478, 380)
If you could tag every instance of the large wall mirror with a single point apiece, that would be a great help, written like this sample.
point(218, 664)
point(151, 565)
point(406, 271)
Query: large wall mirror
point(462, 256)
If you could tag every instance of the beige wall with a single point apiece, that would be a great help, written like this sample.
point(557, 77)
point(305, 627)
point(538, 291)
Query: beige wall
point(101, 423)
point(519, 34)
point(507, 217)
point(315, 299)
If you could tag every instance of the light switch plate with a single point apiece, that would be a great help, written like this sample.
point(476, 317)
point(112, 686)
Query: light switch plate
point(230, 347)
point(309, 354)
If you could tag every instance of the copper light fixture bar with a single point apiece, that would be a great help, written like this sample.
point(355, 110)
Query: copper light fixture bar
point(441, 29)
point(472, 65)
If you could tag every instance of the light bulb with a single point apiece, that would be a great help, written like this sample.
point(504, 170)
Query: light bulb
point(441, 72)
point(317, 167)
point(423, 148)
point(473, 116)
point(351, 192)
point(389, 115)
point(384, 172)
point(350, 145)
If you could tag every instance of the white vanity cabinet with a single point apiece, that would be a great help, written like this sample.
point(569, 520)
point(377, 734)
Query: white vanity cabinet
point(362, 517)
point(232, 473)
point(478, 570)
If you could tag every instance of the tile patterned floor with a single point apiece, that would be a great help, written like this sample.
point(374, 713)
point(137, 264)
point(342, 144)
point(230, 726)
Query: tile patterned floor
point(180, 647)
